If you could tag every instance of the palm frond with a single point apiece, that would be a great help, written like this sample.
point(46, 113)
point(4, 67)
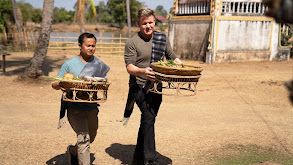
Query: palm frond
point(92, 8)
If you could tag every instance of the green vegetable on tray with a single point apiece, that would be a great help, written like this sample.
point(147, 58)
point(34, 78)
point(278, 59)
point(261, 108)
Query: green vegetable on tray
point(169, 63)
point(77, 78)
point(162, 63)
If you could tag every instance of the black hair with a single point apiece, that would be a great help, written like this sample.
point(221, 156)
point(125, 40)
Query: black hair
point(85, 35)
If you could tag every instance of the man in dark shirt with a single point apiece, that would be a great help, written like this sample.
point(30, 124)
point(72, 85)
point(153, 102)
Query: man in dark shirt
point(138, 57)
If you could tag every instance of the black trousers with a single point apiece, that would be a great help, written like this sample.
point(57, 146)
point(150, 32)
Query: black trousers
point(148, 104)
point(129, 104)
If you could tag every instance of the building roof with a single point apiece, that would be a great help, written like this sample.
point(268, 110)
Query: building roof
point(161, 18)
point(192, 1)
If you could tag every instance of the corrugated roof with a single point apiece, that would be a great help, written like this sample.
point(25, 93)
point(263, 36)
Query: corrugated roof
point(161, 18)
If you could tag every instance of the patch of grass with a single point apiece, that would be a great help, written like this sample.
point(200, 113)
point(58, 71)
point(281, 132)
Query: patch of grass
point(109, 30)
point(42, 80)
point(245, 155)
point(48, 79)
point(63, 45)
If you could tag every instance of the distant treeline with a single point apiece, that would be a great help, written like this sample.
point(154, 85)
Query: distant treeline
point(114, 11)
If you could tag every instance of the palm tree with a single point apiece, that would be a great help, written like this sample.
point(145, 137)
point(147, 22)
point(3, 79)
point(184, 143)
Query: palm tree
point(34, 70)
point(128, 17)
point(17, 21)
point(79, 15)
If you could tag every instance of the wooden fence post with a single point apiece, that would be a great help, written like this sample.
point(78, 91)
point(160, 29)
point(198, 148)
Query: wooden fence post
point(5, 35)
point(31, 37)
point(57, 39)
point(114, 45)
point(112, 49)
point(15, 36)
point(120, 44)
point(101, 43)
point(2, 38)
point(49, 42)
point(25, 38)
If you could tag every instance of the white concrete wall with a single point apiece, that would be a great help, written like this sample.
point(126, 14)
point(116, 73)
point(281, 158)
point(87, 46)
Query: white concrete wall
point(275, 41)
point(243, 35)
point(171, 34)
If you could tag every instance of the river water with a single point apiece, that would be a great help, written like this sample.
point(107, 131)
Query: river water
point(73, 37)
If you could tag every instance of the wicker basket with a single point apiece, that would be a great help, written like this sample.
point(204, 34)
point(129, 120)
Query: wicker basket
point(84, 91)
point(85, 85)
point(176, 78)
point(177, 85)
point(187, 70)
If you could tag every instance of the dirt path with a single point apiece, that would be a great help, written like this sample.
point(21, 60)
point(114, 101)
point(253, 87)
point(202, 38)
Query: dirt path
point(236, 104)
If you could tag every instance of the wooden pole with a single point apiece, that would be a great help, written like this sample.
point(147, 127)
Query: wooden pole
point(128, 18)
point(30, 36)
point(25, 38)
point(120, 43)
point(112, 42)
point(2, 37)
point(57, 39)
point(100, 43)
point(3, 62)
point(5, 35)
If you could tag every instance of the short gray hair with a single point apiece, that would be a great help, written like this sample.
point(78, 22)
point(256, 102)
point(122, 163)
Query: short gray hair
point(145, 12)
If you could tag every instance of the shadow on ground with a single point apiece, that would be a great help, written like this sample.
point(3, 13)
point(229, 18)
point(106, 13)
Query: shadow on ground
point(125, 154)
point(20, 64)
point(62, 159)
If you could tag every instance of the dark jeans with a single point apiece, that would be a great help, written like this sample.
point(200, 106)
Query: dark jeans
point(129, 104)
point(149, 106)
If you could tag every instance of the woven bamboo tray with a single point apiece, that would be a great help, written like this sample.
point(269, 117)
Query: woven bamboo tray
point(177, 85)
point(175, 78)
point(85, 91)
point(85, 85)
point(186, 70)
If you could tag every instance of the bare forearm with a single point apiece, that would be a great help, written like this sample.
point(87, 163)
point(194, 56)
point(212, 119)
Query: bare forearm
point(136, 71)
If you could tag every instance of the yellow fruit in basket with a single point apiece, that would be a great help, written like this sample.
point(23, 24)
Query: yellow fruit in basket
point(68, 76)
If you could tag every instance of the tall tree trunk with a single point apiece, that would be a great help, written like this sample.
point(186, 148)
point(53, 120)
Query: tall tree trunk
point(82, 16)
point(79, 15)
point(128, 17)
point(34, 69)
point(17, 22)
point(16, 16)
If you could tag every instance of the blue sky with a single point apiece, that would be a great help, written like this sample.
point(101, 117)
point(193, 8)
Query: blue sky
point(68, 4)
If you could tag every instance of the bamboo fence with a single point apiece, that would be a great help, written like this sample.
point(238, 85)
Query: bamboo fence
point(104, 45)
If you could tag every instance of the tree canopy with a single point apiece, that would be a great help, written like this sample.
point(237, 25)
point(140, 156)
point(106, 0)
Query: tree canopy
point(114, 11)
point(117, 9)
point(103, 14)
point(61, 15)
point(28, 13)
point(161, 11)
point(6, 14)
point(134, 7)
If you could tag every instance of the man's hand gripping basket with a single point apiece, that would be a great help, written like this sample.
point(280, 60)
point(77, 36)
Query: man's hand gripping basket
point(180, 80)
point(85, 91)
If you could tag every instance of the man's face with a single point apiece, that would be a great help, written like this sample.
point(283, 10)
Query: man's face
point(146, 26)
point(88, 46)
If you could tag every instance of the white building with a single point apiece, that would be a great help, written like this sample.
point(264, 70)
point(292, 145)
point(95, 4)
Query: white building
point(225, 30)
